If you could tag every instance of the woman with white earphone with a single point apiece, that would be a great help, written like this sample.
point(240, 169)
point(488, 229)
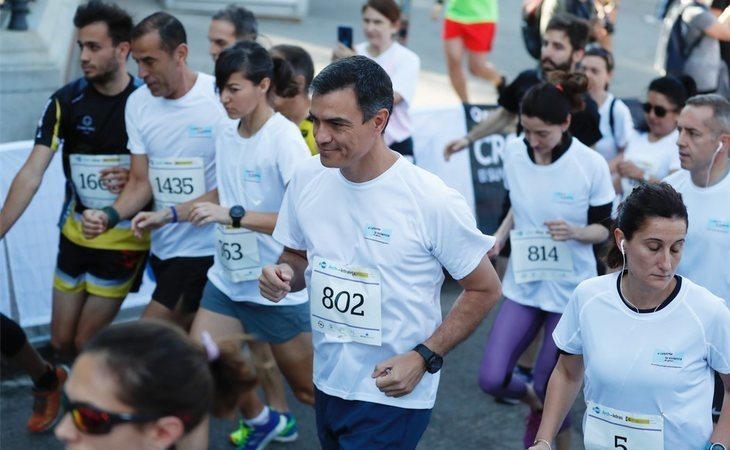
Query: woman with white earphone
point(644, 340)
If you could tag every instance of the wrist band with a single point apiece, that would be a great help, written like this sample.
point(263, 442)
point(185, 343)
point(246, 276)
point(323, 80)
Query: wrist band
point(537, 441)
point(174, 214)
point(112, 217)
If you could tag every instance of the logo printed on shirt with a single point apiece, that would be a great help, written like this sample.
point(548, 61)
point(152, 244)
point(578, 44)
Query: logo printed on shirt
point(662, 358)
point(86, 126)
point(723, 226)
point(200, 132)
point(378, 234)
point(563, 197)
point(252, 175)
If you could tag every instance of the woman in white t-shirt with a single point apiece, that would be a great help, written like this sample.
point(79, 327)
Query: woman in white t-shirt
point(561, 198)
point(255, 159)
point(381, 22)
point(651, 155)
point(643, 340)
point(616, 125)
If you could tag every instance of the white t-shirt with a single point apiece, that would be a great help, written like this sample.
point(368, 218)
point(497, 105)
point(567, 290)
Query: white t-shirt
point(178, 133)
point(659, 158)
point(402, 66)
point(707, 245)
point(253, 172)
point(563, 190)
point(650, 363)
point(405, 224)
point(623, 127)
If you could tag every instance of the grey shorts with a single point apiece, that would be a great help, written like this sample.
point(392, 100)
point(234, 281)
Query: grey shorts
point(274, 324)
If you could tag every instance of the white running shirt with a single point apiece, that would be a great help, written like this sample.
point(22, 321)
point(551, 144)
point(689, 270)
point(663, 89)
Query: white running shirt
point(656, 363)
point(253, 172)
point(623, 127)
point(563, 190)
point(707, 245)
point(659, 158)
point(405, 224)
point(178, 130)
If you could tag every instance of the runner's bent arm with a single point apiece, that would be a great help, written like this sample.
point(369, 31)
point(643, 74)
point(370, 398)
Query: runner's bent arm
point(24, 186)
point(721, 433)
point(499, 121)
point(137, 192)
point(563, 387)
point(399, 375)
point(481, 292)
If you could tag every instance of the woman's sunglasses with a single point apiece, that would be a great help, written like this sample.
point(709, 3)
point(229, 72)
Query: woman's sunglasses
point(659, 111)
point(91, 420)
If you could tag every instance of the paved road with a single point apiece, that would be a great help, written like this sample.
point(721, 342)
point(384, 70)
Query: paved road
point(464, 417)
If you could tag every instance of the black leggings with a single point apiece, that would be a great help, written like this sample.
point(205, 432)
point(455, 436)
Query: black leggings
point(13, 337)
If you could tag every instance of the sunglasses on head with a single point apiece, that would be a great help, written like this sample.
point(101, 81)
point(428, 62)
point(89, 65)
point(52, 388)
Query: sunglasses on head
point(659, 111)
point(92, 420)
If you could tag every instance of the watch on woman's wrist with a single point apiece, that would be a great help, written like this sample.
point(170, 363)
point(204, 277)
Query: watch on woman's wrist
point(715, 446)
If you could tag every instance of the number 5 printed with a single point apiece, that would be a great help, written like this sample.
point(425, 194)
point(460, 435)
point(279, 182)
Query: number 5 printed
point(617, 442)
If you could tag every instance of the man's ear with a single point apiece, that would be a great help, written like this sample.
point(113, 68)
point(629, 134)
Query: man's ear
point(181, 53)
point(381, 119)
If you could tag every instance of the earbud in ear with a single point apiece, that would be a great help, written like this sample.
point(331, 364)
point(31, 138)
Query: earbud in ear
point(719, 147)
point(623, 251)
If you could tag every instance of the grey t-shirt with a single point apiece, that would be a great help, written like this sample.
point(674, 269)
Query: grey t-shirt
point(704, 63)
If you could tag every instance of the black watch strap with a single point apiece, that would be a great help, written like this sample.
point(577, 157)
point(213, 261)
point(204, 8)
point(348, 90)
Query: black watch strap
point(434, 361)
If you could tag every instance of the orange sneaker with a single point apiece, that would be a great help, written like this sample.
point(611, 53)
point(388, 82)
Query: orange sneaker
point(47, 404)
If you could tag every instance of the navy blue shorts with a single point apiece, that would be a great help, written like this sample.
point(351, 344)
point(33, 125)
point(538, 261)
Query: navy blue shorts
point(357, 425)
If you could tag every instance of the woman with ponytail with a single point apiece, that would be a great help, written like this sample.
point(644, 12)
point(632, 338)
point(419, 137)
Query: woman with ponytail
point(560, 195)
point(145, 385)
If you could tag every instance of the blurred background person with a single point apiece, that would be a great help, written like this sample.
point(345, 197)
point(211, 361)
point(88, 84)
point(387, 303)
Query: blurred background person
point(231, 24)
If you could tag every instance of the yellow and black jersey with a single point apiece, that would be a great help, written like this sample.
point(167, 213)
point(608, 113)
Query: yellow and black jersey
point(307, 129)
point(81, 121)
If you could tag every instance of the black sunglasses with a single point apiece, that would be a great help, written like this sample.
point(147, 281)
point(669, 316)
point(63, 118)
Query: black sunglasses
point(659, 111)
point(92, 420)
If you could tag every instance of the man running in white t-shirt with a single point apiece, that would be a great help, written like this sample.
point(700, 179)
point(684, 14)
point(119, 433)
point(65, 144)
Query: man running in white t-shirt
point(368, 233)
point(170, 123)
point(704, 143)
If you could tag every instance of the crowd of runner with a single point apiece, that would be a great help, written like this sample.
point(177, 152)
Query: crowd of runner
point(282, 210)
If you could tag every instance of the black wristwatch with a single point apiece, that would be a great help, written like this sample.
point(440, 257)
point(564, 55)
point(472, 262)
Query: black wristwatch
point(434, 361)
point(237, 212)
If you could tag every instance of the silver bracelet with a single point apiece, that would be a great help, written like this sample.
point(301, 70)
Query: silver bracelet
point(537, 441)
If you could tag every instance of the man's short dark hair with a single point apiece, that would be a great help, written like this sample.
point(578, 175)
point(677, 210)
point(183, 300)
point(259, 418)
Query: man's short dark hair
point(372, 86)
point(243, 20)
point(171, 30)
point(577, 30)
point(118, 21)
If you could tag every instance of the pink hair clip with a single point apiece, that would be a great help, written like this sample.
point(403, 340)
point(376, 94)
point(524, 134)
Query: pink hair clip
point(211, 348)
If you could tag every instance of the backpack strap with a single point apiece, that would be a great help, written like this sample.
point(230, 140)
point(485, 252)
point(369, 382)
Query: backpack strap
point(612, 120)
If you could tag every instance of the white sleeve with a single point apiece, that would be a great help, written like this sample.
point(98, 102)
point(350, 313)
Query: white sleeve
point(287, 231)
point(135, 143)
point(456, 242)
point(567, 334)
point(602, 191)
point(624, 124)
point(718, 340)
point(291, 152)
point(405, 76)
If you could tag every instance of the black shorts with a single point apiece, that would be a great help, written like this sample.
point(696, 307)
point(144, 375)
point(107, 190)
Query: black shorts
point(104, 273)
point(180, 280)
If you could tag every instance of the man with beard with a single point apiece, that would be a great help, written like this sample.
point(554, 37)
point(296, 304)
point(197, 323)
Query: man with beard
point(86, 119)
point(563, 46)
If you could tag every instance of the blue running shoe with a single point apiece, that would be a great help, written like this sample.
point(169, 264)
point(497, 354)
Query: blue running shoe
point(290, 433)
point(257, 437)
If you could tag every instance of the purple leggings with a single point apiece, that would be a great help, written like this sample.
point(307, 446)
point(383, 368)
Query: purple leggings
point(513, 330)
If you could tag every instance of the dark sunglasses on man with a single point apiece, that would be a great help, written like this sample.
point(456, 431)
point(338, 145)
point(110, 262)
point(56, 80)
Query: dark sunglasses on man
point(659, 111)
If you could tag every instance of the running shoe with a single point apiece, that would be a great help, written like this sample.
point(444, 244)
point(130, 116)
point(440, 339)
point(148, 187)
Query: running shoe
point(290, 433)
point(257, 437)
point(47, 404)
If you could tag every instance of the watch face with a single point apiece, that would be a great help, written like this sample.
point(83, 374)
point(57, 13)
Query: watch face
point(237, 211)
point(718, 446)
point(435, 364)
